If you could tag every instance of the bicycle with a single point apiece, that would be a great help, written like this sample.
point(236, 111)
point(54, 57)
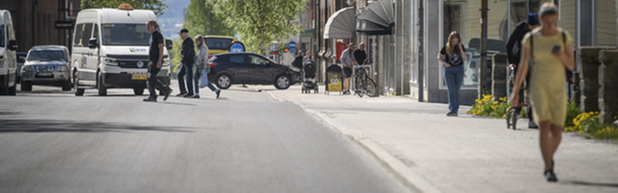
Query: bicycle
point(512, 113)
point(364, 84)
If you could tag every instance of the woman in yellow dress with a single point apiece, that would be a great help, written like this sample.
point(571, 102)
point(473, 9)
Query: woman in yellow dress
point(551, 51)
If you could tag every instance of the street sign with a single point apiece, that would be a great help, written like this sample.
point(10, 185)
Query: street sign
point(292, 45)
point(237, 48)
point(292, 50)
point(64, 25)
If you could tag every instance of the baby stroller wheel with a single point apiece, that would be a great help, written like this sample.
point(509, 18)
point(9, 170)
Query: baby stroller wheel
point(508, 118)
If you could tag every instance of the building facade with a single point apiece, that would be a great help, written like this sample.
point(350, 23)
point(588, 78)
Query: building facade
point(35, 21)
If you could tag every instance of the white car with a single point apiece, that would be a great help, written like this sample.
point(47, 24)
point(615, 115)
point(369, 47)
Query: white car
point(46, 65)
point(8, 59)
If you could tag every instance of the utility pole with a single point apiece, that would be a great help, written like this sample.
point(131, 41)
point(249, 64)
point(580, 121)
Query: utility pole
point(421, 53)
point(483, 48)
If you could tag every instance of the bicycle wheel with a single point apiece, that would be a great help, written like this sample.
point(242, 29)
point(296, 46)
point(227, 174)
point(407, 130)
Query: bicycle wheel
point(370, 88)
point(360, 87)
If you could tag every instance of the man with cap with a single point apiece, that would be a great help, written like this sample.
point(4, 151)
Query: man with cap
point(187, 53)
point(513, 50)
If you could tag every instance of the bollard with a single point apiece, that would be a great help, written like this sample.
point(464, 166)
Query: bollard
point(499, 76)
point(608, 86)
point(588, 76)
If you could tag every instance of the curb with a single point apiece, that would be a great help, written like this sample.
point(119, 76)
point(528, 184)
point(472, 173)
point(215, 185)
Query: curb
point(403, 173)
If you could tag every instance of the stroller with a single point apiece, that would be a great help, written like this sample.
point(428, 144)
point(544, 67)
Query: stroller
point(309, 79)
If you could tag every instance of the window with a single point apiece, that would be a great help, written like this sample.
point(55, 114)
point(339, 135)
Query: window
point(237, 59)
point(125, 34)
point(2, 38)
point(256, 60)
point(78, 35)
point(46, 56)
point(96, 32)
point(218, 43)
point(86, 34)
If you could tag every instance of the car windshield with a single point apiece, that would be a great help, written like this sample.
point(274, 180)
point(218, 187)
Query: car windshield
point(218, 43)
point(125, 34)
point(2, 35)
point(46, 56)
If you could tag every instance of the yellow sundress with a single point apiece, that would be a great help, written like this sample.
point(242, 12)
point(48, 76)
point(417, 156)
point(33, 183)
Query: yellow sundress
point(548, 82)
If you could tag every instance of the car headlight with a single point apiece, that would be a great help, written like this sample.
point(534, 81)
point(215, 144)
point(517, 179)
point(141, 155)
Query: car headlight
point(294, 69)
point(61, 68)
point(111, 61)
point(26, 68)
point(166, 62)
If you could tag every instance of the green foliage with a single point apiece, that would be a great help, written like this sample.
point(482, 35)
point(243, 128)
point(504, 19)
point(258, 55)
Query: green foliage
point(200, 19)
point(572, 112)
point(488, 108)
point(588, 123)
point(155, 5)
point(259, 22)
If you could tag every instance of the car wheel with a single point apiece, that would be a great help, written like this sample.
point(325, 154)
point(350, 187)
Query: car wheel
point(282, 82)
point(100, 87)
point(66, 85)
point(224, 81)
point(78, 91)
point(26, 86)
point(138, 91)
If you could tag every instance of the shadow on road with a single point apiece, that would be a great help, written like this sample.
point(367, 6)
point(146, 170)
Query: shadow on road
point(581, 183)
point(44, 126)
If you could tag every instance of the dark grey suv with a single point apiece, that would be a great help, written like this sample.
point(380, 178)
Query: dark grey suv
point(250, 68)
point(46, 65)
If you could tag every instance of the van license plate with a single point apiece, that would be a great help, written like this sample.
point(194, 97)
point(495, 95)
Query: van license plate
point(45, 74)
point(139, 77)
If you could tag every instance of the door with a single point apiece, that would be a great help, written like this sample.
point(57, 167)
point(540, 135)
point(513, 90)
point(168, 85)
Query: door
point(260, 70)
point(81, 54)
point(239, 68)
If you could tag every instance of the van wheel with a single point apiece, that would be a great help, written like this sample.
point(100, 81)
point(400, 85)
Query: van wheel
point(26, 86)
point(13, 89)
point(78, 91)
point(138, 91)
point(100, 87)
point(66, 85)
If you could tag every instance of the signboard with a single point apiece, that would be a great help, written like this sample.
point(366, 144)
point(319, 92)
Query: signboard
point(237, 48)
point(64, 25)
point(307, 33)
point(334, 82)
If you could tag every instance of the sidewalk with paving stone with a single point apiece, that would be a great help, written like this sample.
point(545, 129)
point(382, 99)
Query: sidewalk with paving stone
point(431, 152)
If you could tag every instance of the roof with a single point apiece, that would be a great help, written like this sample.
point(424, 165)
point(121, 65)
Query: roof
point(107, 15)
point(48, 47)
point(210, 36)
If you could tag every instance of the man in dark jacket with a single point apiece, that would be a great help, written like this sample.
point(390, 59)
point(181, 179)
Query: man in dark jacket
point(186, 65)
point(513, 50)
point(298, 60)
point(154, 66)
point(359, 54)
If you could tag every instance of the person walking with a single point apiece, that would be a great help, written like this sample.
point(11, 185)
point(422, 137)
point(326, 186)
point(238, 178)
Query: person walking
point(186, 66)
point(202, 68)
point(551, 51)
point(154, 66)
point(360, 54)
point(307, 57)
point(513, 52)
point(452, 56)
point(348, 61)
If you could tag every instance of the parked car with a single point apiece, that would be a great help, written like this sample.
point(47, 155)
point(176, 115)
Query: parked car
point(8, 62)
point(46, 65)
point(250, 68)
point(21, 59)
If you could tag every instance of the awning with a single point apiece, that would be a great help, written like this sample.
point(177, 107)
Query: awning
point(341, 24)
point(378, 18)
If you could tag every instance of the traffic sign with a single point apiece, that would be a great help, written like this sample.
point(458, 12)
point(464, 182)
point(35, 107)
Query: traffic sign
point(293, 45)
point(292, 50)
point(237, 48)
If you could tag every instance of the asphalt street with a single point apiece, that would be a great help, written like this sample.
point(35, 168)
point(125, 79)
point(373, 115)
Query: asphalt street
point(53, 141)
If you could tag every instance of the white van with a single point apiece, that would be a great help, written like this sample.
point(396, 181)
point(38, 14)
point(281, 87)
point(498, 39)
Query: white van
point(110, 50)
point(8, 61)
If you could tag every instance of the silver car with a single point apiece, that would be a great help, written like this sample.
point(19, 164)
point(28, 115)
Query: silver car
point(46, 65)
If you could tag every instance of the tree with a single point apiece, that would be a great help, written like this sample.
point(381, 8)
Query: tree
point(261, 21)
point(155, 5)
point(200, 19)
